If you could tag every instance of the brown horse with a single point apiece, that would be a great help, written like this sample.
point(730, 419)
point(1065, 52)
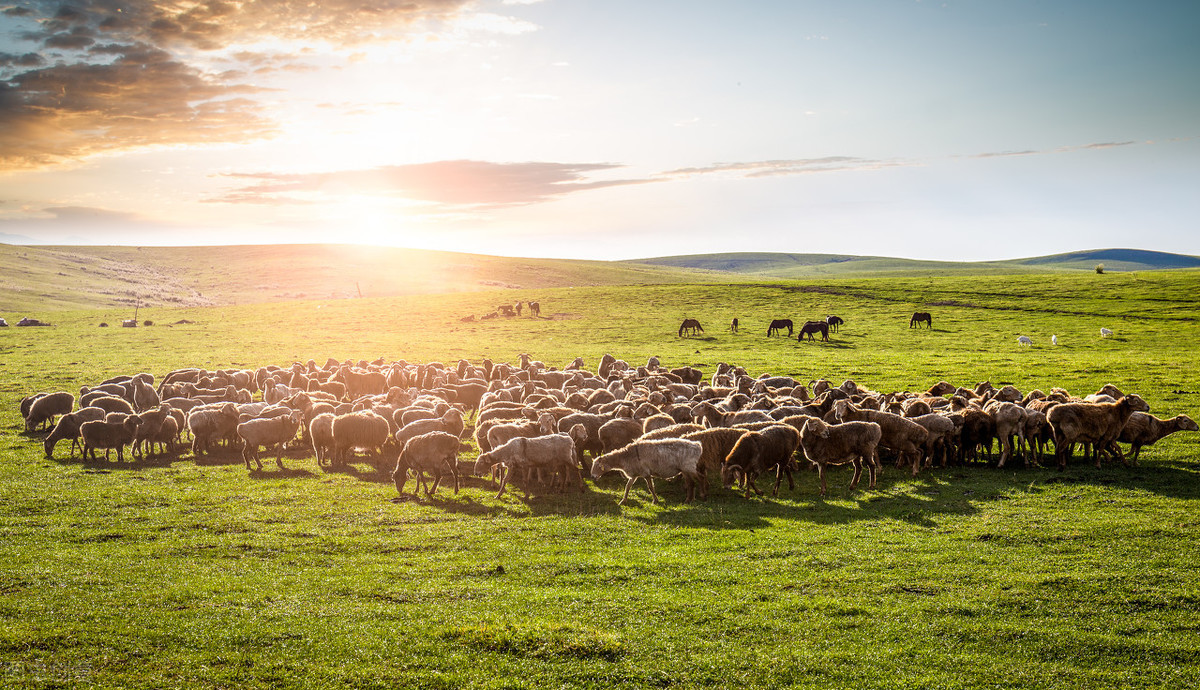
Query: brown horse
point(919, 318)
point(778, 325)
point(733, 325)
point(834, 322)
point(535, 309)
point(812, 327)
point(692, 326)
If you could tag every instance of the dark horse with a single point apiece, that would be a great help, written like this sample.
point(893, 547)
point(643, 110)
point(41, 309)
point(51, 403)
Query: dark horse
point(779, 324)
point(919, 318)
point(811, 327)
point(733, 325)
point(834, 322)
point(692, 326)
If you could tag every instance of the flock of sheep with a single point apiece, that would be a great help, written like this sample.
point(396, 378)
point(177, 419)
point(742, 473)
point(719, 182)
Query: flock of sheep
point(541, 428)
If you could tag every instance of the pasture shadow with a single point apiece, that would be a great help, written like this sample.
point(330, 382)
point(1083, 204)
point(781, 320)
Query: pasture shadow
point(1167, 478)
point(272, 471)
point(381, 474)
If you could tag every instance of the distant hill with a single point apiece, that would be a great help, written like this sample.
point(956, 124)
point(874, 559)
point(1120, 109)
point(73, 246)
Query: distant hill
point(85, 277)
point(780, 265)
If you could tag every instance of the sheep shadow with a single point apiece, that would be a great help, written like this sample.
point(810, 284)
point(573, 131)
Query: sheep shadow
point(375, 474)
point(272, 471)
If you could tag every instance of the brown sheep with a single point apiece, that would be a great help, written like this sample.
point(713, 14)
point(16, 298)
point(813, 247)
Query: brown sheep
point(105, 434)
point(1142, 429)
point(363, 429)
point(45, 408)
point(618, 433)
point(1096, 423)
point(209, 424)
point(673, 431)
point(435, 452)
point(646, 460)
point(902, 435)
point(836, 444)
point(758, 451)
point(68, 428)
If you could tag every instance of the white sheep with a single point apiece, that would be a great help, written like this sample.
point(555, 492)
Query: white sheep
point(646, 460)
point(1024, 340)
point(1054, 340)
point(1105, 333)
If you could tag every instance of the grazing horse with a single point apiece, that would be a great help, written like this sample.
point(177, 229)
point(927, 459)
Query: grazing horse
point(518, 307)
point(779, 324)
point(811, 327)
point(733, 325)
point(834, 322)
point(535, 309)
point(920, 317)
point(692, 326)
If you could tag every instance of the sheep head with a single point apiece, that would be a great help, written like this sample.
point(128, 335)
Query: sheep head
point(1185, 423)
point(730, 474)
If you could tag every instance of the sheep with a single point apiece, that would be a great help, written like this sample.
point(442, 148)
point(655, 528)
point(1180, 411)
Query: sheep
point(320, 434)
point(836, 444)
point(451, 422)
point(1054, 340)
point(1010, 421)
point(554, 453)
point(210, 424)
point(45, 408)
point(267, 432)
point(713, 417)
point(1096, 423)
point(1024, 340)
point(363, 429)
point(592, 423)
point(500, 434)
point(902, 435)
point(941, 436)
point(618, 433)
point(68, 428)
point(758, 451)
point(673, 431)
point(152, 421)
point(165, 438)
point(435, 452)
point(646, 460)
point(1106, 333)
point(110, 403)
point(101, 433)
point(1142, 429)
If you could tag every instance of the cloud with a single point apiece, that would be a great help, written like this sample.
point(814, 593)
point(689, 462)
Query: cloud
point(797, 166)
point(462, 183)
point(1060, 149)
point(125, 75)
point(143, 97)
point(76, 224)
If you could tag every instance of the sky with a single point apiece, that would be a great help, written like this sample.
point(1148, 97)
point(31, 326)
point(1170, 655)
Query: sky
point(958, 130)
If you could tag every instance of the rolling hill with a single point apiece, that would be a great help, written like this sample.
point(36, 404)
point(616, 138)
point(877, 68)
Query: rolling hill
point(45, 277)
point(780, 265)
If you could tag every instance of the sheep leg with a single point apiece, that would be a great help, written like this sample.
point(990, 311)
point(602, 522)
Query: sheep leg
point(504, 480)
point(453, 462)
point(857, 473)
point(628, 486)
point(821, 475)
point(279, 456)
point(437, 479)
point(873, 473)
point(650, 484)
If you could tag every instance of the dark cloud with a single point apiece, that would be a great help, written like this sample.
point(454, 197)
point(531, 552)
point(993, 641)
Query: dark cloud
point(121, 76)
point(143, 97)
point(452, 183)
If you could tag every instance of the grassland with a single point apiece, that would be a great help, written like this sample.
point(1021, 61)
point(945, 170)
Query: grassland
point(57, 278)
point(178, 573)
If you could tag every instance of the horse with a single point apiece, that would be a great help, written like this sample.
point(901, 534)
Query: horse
point(834, 322)
point(518, 307)
point(811, 327)
point(733, 325)
point(691, 325)
point(920, 317)
point(779, 324)
point(535, 309)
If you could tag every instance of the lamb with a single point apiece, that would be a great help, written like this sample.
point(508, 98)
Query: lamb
point(102, 433)
point(68, 428)
point(836, 444)
point(44, 409)
point(1105, 333)
point(1024, 340)
point(267, 432)
point(435, 452)
point(362, 429)
point(554, 453)
point(211, 424)
point(900, 434)
point(758, 451)
point(1096, 423)
point(1142, 429)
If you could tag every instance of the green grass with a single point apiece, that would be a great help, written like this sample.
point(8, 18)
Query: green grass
point(178, 573)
